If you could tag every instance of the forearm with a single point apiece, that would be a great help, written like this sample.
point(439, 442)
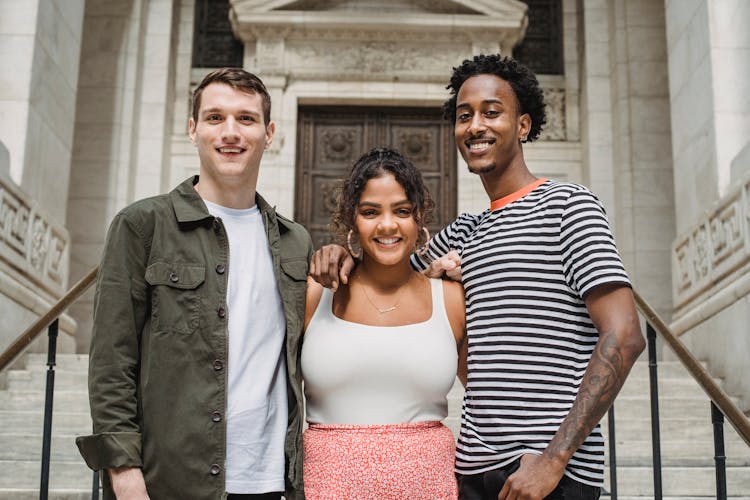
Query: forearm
point(128, 483)
point(610, 363)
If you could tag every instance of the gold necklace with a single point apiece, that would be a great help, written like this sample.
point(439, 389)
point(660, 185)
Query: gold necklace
point(387, 309)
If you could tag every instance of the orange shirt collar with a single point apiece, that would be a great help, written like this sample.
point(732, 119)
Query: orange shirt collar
point(500, 203)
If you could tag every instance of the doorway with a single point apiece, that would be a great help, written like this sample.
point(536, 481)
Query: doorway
point(331, 138)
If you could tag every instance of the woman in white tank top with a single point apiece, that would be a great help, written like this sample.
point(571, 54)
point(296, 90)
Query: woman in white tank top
point(380, 355)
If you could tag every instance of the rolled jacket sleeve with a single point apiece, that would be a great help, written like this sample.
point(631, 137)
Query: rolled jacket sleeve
point(120, 308)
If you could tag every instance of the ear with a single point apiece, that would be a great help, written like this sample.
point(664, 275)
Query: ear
point(524, 126)
point(191, 130)
point(270, 130)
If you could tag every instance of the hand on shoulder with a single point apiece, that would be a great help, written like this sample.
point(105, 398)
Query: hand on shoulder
point(331, 265)
point(448, 266)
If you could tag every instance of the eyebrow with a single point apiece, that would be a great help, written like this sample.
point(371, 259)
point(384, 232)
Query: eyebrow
point(378, 205)
point(223, 111)
point(486, 101)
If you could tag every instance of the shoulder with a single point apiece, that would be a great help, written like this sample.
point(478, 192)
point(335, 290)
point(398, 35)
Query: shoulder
point(453, 292)
point(455, 308)
point(312, 299)
point(140, 215)
point(294, 236)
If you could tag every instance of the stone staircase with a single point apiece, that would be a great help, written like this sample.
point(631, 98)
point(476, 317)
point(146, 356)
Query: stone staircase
point(687, 448)
point(686, 439)
point(687, 442)
point(21, 427)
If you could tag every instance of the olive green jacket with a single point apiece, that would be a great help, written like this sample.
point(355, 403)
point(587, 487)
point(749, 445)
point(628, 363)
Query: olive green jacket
point(157, 374)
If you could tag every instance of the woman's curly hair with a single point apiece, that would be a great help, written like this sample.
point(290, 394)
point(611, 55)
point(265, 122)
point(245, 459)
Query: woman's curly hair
point(521, 79)
point(373, 164)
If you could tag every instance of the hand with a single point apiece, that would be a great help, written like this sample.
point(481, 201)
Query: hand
point(448, 265)
point(329, 264)
point(536, 478)
point(128, 483)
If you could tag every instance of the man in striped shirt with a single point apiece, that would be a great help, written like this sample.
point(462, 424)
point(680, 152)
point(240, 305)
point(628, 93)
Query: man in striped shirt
point(551, 321)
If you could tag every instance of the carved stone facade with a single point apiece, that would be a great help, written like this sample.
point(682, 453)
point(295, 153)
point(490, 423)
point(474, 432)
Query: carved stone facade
point(714, 251)
point(32, 247)
point(626, 67)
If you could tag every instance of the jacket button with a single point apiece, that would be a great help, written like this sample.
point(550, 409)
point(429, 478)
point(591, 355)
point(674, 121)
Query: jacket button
point(221, 312)
point(220, 268)
point(215, 470)
point(216, 416)
point(173, 277)
point(218, 365)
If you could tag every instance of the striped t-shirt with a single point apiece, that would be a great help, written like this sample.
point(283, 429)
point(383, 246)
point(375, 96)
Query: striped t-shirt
point(526, 265)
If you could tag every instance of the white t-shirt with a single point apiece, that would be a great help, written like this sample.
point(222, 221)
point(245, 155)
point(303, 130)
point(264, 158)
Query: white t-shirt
point(256, 414)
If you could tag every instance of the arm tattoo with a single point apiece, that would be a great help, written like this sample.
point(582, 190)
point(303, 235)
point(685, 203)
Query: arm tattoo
point(601, 383)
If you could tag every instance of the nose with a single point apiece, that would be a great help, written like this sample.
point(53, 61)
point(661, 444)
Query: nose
point(230, 132)
point(387, 223)
point(476, 125)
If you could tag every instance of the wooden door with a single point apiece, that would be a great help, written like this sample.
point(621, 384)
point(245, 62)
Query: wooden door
point(331, 139)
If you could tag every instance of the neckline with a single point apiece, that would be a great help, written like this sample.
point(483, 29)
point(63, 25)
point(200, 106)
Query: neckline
point(516, 195)
point(346, 321)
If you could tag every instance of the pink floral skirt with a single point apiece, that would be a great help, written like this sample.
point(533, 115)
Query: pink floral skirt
point(384, 462)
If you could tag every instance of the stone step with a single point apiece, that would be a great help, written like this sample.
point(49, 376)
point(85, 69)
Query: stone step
point(664, 369)
point(679, 481)
point(685, 387)
point(32, 421)
point(676, 453)
point(72, 362)
point(29, 447)
point(670, 406)
point(69, 401)
point(680, 429)
point(25, 474)
point(33, 494)
point(37, 380)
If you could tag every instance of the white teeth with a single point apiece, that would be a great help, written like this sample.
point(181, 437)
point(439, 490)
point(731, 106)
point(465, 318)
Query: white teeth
point(387, 241)
point(479, 145)
point(230, 150)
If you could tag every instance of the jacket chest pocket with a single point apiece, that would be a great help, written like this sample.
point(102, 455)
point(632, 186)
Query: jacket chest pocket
point(175, 300)
point(294, 281)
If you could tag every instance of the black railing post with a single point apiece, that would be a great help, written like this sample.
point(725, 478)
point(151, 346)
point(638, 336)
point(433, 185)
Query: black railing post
point(655, 434)
point(612, 453)
point(95, 487)
point(47, 439)
point(720, 459)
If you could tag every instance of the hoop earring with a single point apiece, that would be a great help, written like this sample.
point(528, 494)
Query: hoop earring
point(349, 245)
point(423, 249)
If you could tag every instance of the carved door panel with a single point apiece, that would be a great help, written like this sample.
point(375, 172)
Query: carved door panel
point(331, 139)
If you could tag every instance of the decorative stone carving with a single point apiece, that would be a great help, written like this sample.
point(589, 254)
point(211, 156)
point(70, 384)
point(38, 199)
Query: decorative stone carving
point(337, 145)
point(715, 252)
point(416, 144)
point(32, 245)
point(372, 60)
point(328, 194)
point(554, 129)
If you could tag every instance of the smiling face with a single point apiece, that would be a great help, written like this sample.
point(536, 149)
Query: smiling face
point(385, 222)
point(489, 127)
point(231, 135)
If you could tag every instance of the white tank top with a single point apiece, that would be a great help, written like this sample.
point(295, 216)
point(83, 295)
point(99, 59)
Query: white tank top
point(368, 375)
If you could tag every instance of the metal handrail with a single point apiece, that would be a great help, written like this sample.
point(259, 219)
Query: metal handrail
point(28, 336)
point(720, 398)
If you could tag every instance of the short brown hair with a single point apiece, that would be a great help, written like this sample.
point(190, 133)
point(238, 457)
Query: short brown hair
point(238, 79)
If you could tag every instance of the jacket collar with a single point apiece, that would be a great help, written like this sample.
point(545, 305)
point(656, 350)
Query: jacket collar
point(189, 206)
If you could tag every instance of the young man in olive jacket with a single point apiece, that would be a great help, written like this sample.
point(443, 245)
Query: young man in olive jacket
point(194, 377)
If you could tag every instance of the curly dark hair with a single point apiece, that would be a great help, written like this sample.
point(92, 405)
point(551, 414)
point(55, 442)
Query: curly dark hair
point(521, 79)
point(376, 163)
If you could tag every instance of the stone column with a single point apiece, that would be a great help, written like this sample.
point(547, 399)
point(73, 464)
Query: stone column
point(40, 42)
